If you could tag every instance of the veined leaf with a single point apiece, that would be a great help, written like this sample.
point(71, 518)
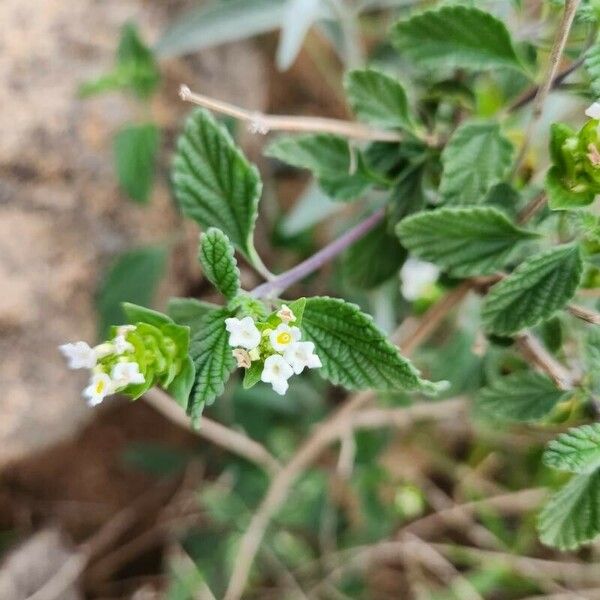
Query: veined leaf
point(477, 240)
point(135, 149)
point(577, 451)
point(218, 262)
point(133, 277)
point(373, 259)
point(592, 66)
point(522, 396)
point(378, 99)
point(214, 183)
point(189, 311)
point(354, 352)
point(534, 291)
point(213, 360)
point(476, 158)
point(456, 36)
point(572, 516)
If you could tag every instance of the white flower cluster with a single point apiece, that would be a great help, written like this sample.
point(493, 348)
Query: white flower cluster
point(280, 348)
point(123, 372)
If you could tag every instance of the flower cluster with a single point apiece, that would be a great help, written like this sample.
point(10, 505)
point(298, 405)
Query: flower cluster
point(132, 360)
point(272, 347)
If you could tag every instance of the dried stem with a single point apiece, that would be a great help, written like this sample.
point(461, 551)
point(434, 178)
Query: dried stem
point(262, 123)
point(585, 314)
point(317, 260)
point(539, 356)
point(546, 85)
point(218, 434)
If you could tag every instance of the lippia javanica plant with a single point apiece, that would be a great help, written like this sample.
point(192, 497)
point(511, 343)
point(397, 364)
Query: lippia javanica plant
point(456, 203)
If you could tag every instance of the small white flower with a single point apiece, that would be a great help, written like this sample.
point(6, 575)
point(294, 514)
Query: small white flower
point(276, 372)
point(593, 111)
point(302, 355)
point(283, 337)
point(122, 345)
point(243, 332)
point(79, 355)
point(126, 373)
point(416, 276)
point(103, 350)
point(286, 314)
point(242, 357)
point(99, 387)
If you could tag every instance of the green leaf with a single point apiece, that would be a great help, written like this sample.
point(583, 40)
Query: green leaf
point(378, 98)
point(181, 387)
point(476, 158)
point(135, 149)
point(214, 362)
point(136, 314)
point(133, 277)
point(572, 516)
point(534, 291)
point(218, 262)
point(577, 451)
point(252, 375)
point(354, 352)
point(456, 36)
point(561, 197)
point(189, 311)
point(214, 183)
point(592, 66)
point(522, 396)
point(477, 240)
point(326, 155)
point(373, 259)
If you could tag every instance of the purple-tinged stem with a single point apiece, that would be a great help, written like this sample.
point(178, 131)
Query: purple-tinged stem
point(317, 260)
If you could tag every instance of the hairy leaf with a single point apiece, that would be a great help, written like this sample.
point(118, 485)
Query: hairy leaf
point(213, 360)
point(214, 183)
point(476, 158)
point(572, 516)
point(477, 240)
point(456, 36)
point(577, 451)
point(354, 352)
point(133, 277)
point(218, 262)
point(135, 149)
point(373, 259)
point(522, 396)
point(534, 291)
point(189, 311)
point(378, 99)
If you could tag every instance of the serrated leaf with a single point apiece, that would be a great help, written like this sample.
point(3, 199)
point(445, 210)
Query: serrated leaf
point(216, 255)
point(477, 240)
point(135, 148)
point(572, 516)
point(378, 98)
point(189, 311)
point(133, 277)
point(534, 291)
point(592, 67)
point(214, 183)
point(373, 259)
point(522, 396)
point(354, 352)
point(577, 450)
point(456, 36)
point(476, 158)
point(213, 360)
point(560, 196)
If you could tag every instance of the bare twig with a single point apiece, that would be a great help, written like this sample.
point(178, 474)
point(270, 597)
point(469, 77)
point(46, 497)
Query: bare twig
point(261, 123)
point(532, 348)
point(558, 47)
point(532, 208)
point(218, 434)
point(585, 314)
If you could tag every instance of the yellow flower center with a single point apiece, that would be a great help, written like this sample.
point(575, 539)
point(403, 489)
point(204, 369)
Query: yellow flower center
point(284, 338)
point(100, 387)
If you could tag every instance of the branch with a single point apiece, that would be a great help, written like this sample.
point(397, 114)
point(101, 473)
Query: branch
point(532, 348)
point(317, 260)
point(585, 314)
point(218, 434)
point(545, 86)
point(262, 123)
